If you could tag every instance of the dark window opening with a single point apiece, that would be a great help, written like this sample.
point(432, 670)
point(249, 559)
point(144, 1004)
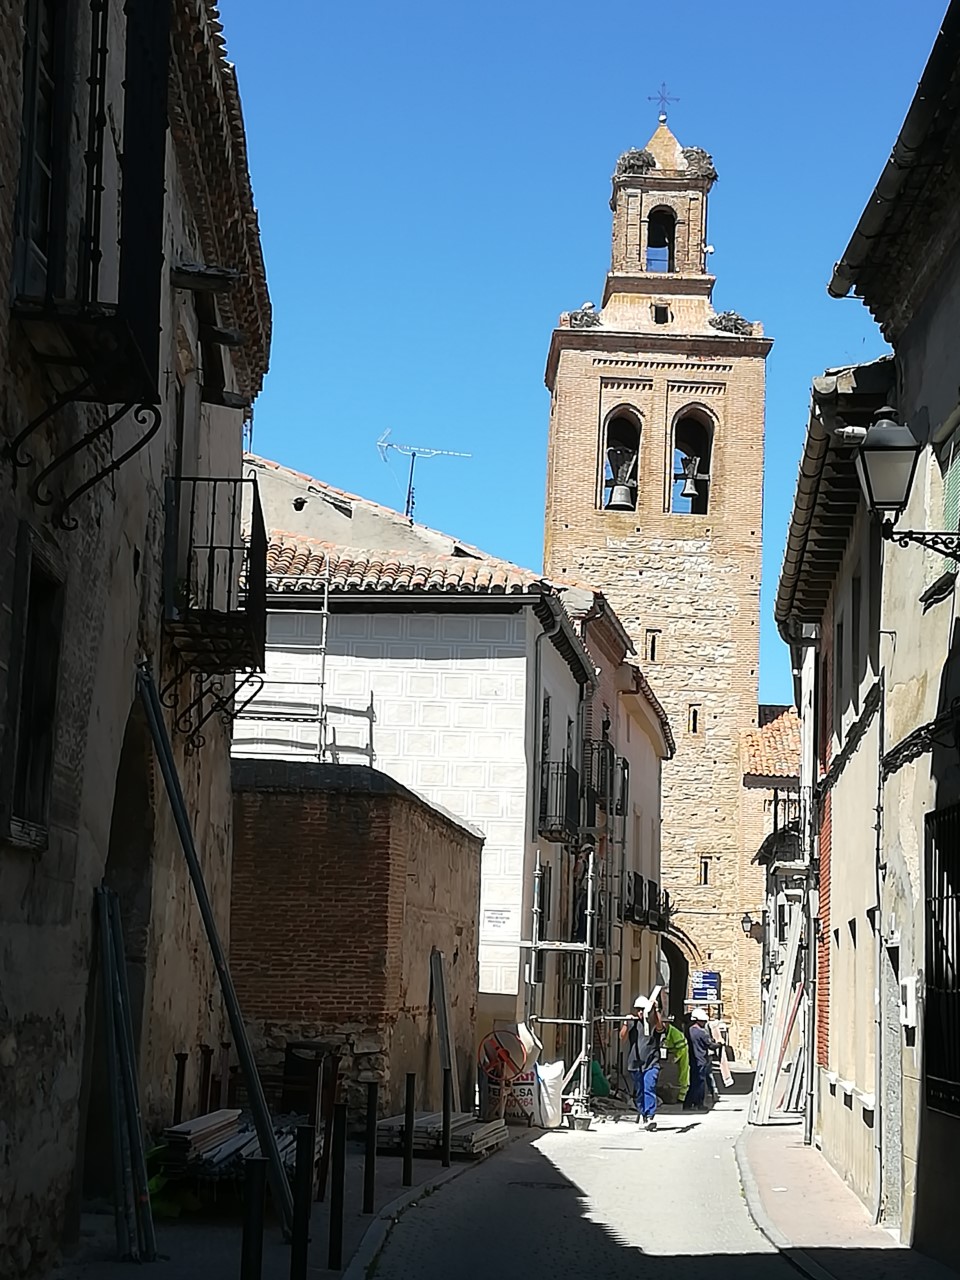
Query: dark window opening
point(653, 645)
point(40, 198)
point(661, 238)
point(856, 626)
point(546, 900)
point(838, 680)
point(621, 454)
point(544, 748)
point(693, 719)
point(661, 315)
point(692, 447)
point(704, 870)
point(38, 698)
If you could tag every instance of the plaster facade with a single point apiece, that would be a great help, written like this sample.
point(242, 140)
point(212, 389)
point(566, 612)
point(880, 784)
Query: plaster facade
point(96, 811)
point(684, 577)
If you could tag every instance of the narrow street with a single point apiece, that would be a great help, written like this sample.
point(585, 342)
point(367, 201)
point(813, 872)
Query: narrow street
point(613, 1202)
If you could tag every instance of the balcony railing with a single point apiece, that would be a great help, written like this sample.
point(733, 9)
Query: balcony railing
point(559, 802)
point(599, 770)
point(646, 904)
point(215, 573)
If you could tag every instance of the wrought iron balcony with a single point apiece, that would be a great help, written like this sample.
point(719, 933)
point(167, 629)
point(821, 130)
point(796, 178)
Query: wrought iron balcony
point(646, 904)
point(215, 573)
point(599, 771)
point(559, 802)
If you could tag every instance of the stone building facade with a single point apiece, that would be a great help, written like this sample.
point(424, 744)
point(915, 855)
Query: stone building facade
point(493, 692)
point(114, 381)
point(654, 494)
point(344, 882)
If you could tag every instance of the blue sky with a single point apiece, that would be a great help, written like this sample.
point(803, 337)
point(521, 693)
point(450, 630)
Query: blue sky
point(432, 180)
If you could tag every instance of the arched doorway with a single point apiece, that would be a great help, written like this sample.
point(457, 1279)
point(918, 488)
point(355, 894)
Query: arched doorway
point(128, 872)
point(677, 974)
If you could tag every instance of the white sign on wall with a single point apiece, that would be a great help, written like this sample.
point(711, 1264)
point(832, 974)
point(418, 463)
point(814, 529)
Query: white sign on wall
point(500, 923)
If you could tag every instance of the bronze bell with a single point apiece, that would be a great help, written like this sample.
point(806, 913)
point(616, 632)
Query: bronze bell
point(689, 489)
point(621, 498)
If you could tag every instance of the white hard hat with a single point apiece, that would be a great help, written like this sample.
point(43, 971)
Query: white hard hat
point(700, 1015)
point(641, 1002)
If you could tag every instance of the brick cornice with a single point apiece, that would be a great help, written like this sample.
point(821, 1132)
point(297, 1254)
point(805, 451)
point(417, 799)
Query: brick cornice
point(720, 346)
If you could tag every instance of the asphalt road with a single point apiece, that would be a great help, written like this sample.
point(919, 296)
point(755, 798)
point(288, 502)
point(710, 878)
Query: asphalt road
point(612, 1202)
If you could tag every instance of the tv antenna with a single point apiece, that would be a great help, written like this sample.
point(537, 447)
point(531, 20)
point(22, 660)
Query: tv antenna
point(413, 452)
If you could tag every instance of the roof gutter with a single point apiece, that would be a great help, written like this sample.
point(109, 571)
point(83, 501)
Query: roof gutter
point(937, 74)
point(815, 448)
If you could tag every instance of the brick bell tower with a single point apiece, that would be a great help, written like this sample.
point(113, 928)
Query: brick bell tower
point(654, 495)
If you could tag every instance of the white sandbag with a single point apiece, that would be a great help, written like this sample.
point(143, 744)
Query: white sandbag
point(550, 1095)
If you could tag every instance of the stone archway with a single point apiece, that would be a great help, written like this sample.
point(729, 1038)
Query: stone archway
point(678, 977)
point(129, 873)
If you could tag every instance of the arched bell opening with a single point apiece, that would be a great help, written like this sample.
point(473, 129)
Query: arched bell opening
point(661, 241)
point(692, 457)
point(621, 459)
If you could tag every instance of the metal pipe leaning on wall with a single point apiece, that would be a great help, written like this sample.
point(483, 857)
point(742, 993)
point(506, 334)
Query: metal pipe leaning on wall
point(279, 1186)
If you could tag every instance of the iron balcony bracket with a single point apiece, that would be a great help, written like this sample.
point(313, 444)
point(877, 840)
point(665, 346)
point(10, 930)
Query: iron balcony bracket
point(228, 706)
point(145, 415)
point(12, 450)
point(942, 541)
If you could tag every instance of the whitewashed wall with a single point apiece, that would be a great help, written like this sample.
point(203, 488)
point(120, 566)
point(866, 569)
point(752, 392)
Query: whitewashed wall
point(454, 710)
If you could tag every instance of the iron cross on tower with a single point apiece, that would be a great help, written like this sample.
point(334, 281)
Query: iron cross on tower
point(662, 97)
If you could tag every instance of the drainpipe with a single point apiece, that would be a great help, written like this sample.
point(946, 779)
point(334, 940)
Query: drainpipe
point(877, 1207)
point(810, 807)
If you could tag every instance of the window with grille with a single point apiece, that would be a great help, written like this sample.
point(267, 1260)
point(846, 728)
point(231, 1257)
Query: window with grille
point(950, 462)
point(942, 1004)
point(43, 144)
point(27, 765)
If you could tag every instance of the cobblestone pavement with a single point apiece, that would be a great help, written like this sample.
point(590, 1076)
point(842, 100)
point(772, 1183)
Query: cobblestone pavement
point(613, 1202)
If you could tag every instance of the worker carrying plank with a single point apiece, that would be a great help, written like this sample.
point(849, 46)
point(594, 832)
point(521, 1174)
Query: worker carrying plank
point(643, 1031)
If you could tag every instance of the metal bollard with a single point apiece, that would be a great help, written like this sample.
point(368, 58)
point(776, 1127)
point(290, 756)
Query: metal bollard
point(409, 1119)
point(302, 1200)
point(206, 1063)
point(254, 1186)
point(224, 1073)
point(447, 1117)
point(337, 1171)
point(370, 1153)
point(178, 1087)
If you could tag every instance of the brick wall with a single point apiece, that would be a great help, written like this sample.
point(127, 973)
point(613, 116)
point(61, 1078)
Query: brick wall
point(343, 883)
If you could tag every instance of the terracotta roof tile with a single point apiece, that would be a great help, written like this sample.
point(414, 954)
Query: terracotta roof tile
point(296, 563)
point(773, 749)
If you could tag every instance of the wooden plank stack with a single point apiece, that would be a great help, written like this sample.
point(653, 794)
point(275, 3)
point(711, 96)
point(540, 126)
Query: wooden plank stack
point(469, 1137)
point(192, 1140)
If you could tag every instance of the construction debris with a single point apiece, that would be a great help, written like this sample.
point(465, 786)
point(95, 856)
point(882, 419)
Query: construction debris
point(469, 1137)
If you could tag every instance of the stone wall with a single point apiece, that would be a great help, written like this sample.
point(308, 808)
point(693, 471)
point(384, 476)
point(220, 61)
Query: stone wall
point(344, 882)
point(107, 815)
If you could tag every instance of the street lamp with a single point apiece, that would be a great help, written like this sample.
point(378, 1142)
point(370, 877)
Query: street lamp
point(746, 923)
point(886, 464)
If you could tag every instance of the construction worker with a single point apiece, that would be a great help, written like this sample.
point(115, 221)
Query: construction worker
point(644, 1032)
point(677, 1050)
point(702, 1046)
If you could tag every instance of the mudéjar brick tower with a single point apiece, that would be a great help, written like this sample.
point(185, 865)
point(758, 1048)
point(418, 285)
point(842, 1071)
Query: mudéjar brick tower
point(654, 495)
